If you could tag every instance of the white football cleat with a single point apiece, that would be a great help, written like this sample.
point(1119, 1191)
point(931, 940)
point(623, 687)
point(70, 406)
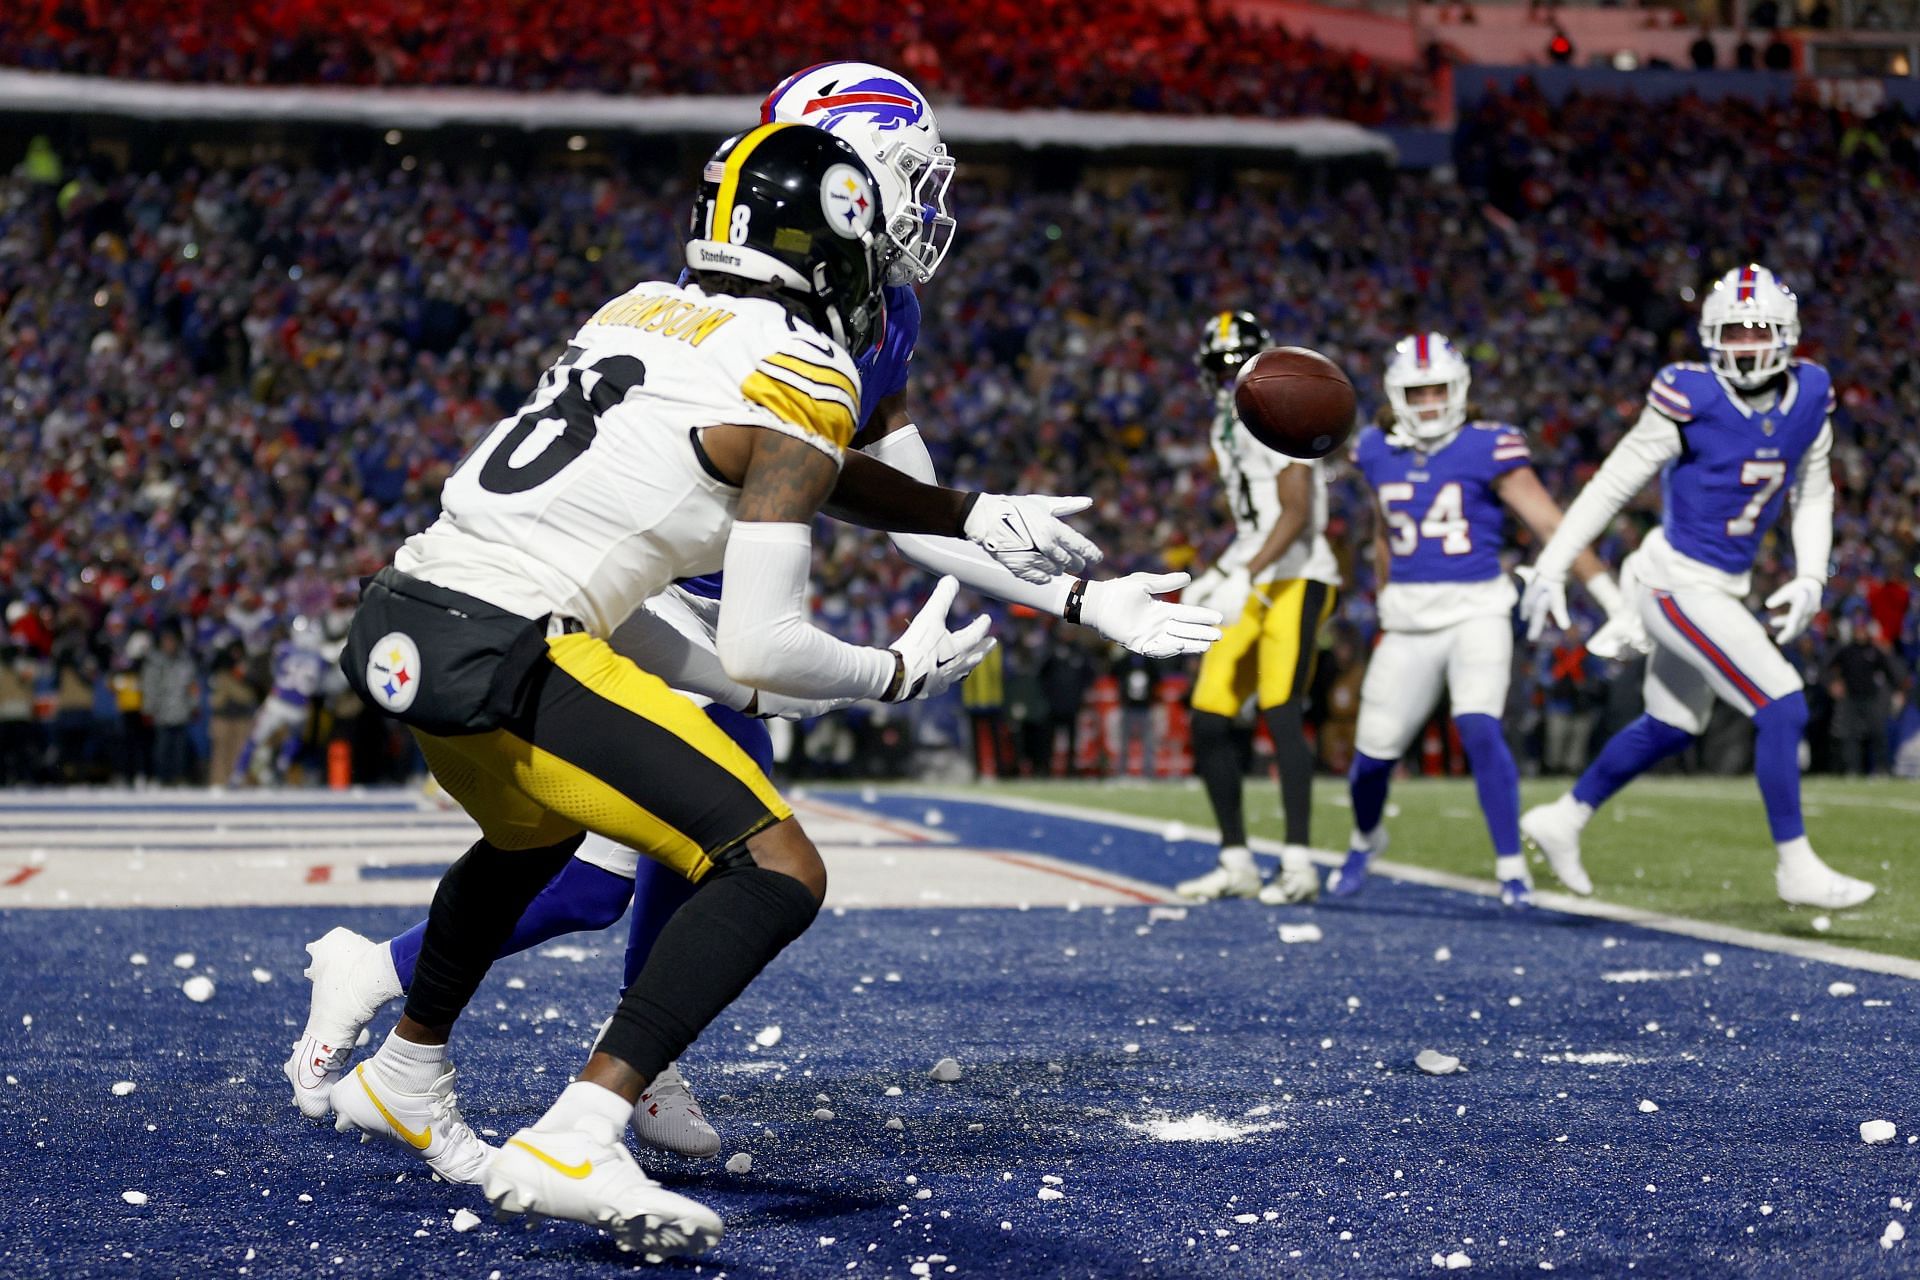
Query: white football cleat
point(1233, 878)
point(1298, 880)
point(1554, 829)
point(1516, 884)
point(1812, 883)
point(429, 1122)
point(344, 1000)
point(586, 1174)
point(669, 1117)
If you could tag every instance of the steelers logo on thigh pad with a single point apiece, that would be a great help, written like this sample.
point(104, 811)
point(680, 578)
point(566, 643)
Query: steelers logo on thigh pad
point(393, 671)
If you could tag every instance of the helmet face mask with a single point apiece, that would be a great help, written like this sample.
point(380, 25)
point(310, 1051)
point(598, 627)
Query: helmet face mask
point(1749, 324)
point(1427, 381)
point(1230, 339)
point(793, 207)
point(889, 122)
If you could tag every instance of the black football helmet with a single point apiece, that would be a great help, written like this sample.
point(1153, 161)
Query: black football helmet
point(1231, 339)
point(793, 206)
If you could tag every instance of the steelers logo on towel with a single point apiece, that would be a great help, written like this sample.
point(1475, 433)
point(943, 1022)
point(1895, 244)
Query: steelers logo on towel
point(393, 671)
point(846, 197)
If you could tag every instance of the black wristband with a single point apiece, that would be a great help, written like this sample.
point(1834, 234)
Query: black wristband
point(1072, 612)
point(896, 689)
point(966, 514)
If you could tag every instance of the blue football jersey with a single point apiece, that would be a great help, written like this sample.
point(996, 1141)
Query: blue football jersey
point(883, 373)
point(1729, 484)
point(1444, 521)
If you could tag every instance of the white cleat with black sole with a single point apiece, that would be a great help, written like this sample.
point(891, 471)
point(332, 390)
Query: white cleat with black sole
point(584, 1173)
point(430, 1123)
point(352, 978)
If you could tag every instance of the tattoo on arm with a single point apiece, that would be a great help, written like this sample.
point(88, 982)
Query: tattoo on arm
point(786, 480)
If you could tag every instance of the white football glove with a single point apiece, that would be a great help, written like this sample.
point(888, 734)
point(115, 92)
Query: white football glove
point(1025, 534)
point(1798, 602)
point(1126, 611)
point(1544, 600)
point(1225, 592)
point(932, 657)
point(777, 706)
point(1623, 636)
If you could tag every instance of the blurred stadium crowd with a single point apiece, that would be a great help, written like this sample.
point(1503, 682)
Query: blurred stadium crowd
point(230, 394)
point(1145, 55)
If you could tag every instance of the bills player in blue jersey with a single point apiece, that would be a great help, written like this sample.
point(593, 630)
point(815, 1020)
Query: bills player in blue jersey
point(303, 670)
point(1730, 440)
point(1443, 486)
point(889, 123)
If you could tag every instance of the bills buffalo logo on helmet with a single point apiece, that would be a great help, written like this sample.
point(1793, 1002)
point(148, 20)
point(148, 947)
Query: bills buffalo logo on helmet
point(884, 101)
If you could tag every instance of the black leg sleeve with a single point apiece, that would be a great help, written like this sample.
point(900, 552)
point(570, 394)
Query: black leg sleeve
point(738, 919)
point(1294, 762)
point(1218, 764)
point(479, 900)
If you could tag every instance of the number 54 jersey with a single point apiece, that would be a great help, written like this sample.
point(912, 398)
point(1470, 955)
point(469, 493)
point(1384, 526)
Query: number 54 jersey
point(1444, 522)
point(596, 495)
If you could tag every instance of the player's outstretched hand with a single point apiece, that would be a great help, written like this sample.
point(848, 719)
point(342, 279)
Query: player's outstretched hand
point(1798, 603)
point(932, 657)
point(1544, 600)
point(1623, 636)
point(1126, 611)
point(1025, 533)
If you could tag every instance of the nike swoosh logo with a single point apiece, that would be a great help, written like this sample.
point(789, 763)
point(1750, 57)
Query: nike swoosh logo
point(825, 351)
point(418, 1141)
point(574, 1171)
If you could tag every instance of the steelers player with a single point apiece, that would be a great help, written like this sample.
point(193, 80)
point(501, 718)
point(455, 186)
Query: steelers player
point(686, 429)
point(1274, 587)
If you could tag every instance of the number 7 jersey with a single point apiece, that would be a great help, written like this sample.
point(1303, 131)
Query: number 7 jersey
point(594, 496)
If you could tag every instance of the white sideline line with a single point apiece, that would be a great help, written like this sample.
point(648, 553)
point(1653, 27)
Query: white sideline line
point(1727, 935)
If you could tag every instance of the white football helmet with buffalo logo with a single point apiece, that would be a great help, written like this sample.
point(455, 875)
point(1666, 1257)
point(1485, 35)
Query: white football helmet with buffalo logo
point(888, 121)
point(1749, 324)
point(1427, 360)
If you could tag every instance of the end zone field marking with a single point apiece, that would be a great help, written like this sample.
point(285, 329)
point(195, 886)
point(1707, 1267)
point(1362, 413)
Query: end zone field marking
point(1138, 890)
point(1567, 904)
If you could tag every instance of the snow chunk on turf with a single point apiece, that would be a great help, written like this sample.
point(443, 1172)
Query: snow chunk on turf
point(767, 1037)
point(1458, 1261)
point(1875, 1132)
point(198, 988)
point(263, 976)
point(1821, 923)
point(1435, 1063)
point(1174, 832)
point(946, 1071)
point(123, 1088)
point(134, 1197)
point(137, 958)
point(823, 1113)
point(1443, 954)
point(1198, 1127)
point(1648, 1106)
point(1841, 990)
point(1711, 959)
point(465, 1220)
point(1052, 1193)
point(740, 1162)
point(896, 1124)
point(1893, 1235)
point(185, 960)
point(1291, 933)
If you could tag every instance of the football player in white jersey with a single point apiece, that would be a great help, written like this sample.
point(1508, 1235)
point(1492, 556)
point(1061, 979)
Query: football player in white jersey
point(1274, 587)
point(1444, 486)
point(1730, 439)
point(686, 428)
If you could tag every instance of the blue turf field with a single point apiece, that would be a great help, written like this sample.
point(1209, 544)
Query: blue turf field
point(1173, 1074)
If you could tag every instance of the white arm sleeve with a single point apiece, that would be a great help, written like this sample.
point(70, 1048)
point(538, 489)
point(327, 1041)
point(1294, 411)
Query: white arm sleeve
point(667, 637)
point(1653, 442)
point(767, 638)
point(1813, 509)
point(904, 450)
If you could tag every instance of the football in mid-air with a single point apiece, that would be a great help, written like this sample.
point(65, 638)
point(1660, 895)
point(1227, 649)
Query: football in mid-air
point(1296, 401)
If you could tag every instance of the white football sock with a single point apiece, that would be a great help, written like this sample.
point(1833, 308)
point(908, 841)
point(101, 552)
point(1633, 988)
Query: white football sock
point(1579, 812)
point(1294, 857)
point(590, 1106)
point(374, 979)
point(410, 1067)
point(1797, 854)
point(1510, 866)
point(1235, 857)
point(1369, 841)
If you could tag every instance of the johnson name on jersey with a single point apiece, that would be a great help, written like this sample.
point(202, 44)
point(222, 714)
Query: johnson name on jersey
point(1728, 485)
point(594, 496)
point(1248, 471)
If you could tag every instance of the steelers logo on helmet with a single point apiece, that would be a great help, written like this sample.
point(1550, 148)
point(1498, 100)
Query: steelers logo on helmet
point(393, 671)
point(846, 197)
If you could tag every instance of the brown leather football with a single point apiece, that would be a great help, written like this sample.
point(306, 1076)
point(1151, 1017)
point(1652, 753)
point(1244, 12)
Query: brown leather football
point(1296, 401)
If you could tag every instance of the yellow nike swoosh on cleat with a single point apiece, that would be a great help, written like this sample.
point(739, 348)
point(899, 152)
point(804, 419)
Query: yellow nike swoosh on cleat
point(574, 1171)
point(418, 1141)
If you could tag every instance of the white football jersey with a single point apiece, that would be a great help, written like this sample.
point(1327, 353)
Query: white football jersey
point(593, 496)
point(1248, 470)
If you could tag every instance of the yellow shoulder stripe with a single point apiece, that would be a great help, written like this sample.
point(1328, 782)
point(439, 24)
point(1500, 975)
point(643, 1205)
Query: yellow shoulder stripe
point(827, 418)
point(825, 374)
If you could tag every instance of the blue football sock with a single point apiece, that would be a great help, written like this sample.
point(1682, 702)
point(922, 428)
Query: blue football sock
point(1367, 783)
point(658, 892)
point(1495, 777)
point(582, 897)
point(1776, 763)
point(1628, 754)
